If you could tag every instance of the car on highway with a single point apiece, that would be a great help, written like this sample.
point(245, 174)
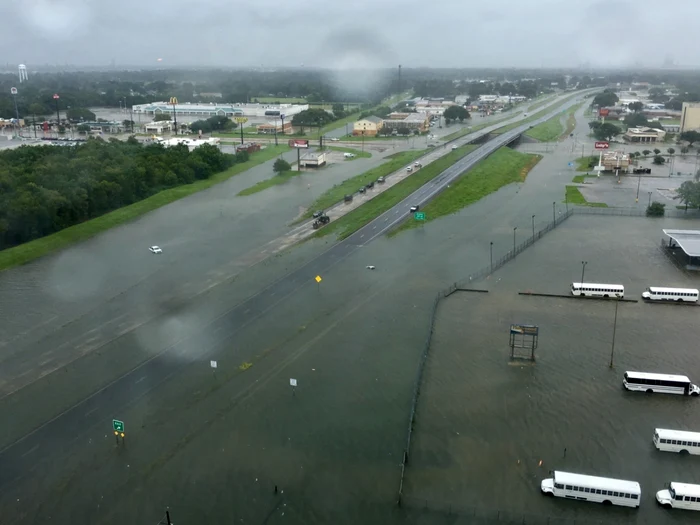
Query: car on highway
point(381, 180)
point(454, 148)
point(431, 145)
point(348, 198)
point(417, 165)
point(155, 249)
point(369, 185)
point(409, 169)
point(415, 208)
point(335, 139)
point(362, 190)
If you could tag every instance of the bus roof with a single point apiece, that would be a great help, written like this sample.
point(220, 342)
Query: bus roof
point(660, 377)
point(674, 290)
point(682, 435)
point(599, 285)
point(616, 485)
point(686, 489)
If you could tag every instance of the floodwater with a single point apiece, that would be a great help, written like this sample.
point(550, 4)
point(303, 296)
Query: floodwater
point(484, 424)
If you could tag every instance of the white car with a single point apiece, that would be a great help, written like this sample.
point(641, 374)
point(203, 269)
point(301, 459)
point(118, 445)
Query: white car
point(349, 155)
point(409, 169)
point(335, 139)
point(155, 249)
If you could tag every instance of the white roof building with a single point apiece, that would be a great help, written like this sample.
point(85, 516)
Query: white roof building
point(220, 109)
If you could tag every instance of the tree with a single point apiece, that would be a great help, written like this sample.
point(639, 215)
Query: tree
point(684, 150)
point(606, 98)
point(656, 209)
point(339, 111)
point(658, 159)
point(635, 120)
point(83, 128)
point(689, 192)
point(690, 136)
point(312, 117)
point(657, 151)
point(646, 152)
point(38, 109)
point(671, 151)
point(281, 165)
point(217, 123)
point(605, 131)
point(162, 116)
point(636, 106)
point(78, 114)
point(455, 113)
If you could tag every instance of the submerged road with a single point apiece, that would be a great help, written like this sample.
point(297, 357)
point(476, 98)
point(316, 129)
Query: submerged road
point(26, 454)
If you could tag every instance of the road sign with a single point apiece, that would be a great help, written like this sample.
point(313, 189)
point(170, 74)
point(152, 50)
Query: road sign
point(292, 382)
point(419, 215)
point(241, 120)
point(571, 164)
point(213, 364)
point(13, 90)
point(602, 145)
point(117, 425)
point(318, 279)
point(298, 143)
point(55, 96)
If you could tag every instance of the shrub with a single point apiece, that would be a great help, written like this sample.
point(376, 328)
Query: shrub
point(656, 209)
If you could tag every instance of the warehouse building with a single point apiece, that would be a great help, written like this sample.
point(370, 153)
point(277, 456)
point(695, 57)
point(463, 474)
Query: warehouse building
point(212, 109)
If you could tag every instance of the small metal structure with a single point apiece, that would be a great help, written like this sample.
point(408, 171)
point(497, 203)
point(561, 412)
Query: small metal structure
point(523, 341)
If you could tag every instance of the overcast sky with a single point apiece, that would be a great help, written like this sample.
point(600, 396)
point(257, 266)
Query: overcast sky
point(350, 33)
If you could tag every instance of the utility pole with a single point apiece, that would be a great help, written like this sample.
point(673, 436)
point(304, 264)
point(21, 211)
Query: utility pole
point(583, 269)
point(612, 350)
point(554, 212)
point(514, 229)
point(173, 103)
point(533, 228)
point(491, 257)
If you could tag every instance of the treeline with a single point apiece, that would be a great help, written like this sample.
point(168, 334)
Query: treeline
point(46, 189)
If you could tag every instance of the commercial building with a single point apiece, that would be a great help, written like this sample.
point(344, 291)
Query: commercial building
point(313, 159)
point(615, 161)
point(250, 147)
point(220, 109)
point(270, 128)
point(411, 121)
point(644, 135)
point(190, 143)
point(158, 127)
point(690, 116)
point(368, 126)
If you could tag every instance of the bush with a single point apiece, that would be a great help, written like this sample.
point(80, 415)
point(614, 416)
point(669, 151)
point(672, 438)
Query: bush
point(281, 166)
point(656, 209)
point(658, 159)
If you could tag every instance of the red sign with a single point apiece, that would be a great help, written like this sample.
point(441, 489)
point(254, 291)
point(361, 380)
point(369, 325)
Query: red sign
point(602, 145)
point(55, 96)
point(298, 143)
point(604, 112)
point(45, 126)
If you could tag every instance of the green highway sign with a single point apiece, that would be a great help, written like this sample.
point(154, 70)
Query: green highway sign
point(419, 215)
point(117, 425)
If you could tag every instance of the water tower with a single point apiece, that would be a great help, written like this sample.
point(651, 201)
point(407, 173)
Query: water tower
point(23, 73)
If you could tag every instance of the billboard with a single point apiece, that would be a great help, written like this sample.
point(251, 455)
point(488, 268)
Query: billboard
point(602, 145)
point(524, 329)
point(604, 112)
point(298, 143)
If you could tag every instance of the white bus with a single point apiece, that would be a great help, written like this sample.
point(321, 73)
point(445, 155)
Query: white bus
point(654, 293)
point(680, 496)
point(591, 488)
point(598, 290)
point(677, 441)
point(661, 383)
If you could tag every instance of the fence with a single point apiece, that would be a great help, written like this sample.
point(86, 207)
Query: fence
point(634, 212)
point(482, 516)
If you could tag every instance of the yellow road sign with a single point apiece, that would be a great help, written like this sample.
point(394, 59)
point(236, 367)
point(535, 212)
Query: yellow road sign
point(318, 279)
point(241, 120)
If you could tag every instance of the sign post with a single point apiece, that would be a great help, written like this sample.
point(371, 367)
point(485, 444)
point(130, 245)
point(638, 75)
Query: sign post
point(240, 121)
point(419, 216)
point(293, 384)
point(118, 427)
point(601, 146)
point(318, 281)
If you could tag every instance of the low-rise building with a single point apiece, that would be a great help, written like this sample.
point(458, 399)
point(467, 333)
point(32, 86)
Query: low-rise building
point(690, 116)
point(368, 126)
point(190, 143)
point(615, 161)
point(313, 159)
point(270, 128)
point(412, 121)
point(158, 127)
point(219, 109)
point(644, 135)
point(250, 147)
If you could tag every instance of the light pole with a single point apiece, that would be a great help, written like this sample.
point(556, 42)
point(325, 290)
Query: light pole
point(14, 97)
point(639, 181)
point(649, 200)
point(612, 349)
point(583, 269)
point(58, 117)
point(554, 212)
point(514, 229)
point(533, 228)
point(173, 103)
point(491, 257)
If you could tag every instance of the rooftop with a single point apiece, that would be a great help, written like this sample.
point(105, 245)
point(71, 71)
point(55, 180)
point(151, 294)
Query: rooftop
point(688, 240)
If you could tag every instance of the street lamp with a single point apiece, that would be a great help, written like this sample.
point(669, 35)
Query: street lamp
point(58, 117)
point(173, 103)
point(515, 228)
point(491, 257)
point(14, 97)
point(612, 349)
point(583, 269)
point(554, 212)
point(533, 228)
point(639, 181)
point(649, 200)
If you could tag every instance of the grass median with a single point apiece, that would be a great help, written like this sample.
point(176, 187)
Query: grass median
point(574, 196)
point(275, 180)
point(531, 118)
point(357, 218)
point(38, 248)
point(351, 185)
point(502, 167)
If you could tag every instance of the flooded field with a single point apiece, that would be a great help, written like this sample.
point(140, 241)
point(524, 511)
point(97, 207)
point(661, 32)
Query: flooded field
point(489, 430)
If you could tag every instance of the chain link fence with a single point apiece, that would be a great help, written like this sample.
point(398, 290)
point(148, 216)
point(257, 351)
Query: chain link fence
point(635, 212)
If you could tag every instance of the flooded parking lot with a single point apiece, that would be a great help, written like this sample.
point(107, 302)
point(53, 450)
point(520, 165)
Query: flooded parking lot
point(489, 430)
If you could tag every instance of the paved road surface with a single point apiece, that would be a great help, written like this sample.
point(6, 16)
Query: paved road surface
point(20, 458)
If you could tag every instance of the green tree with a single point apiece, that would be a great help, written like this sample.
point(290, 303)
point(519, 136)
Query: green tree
point(634, 120)
point(83, 128)
point(658, 159)
point(158, 117)
point(36, 108)
point(690, 136)
point(312, 117)
point(605, 131)
point(339, 111)
point(671, 151)
point(216, 123)
point(684, 150)
point(656, 209)
point(78, 114)
point(281, 165)
point(636, 106)
point(646, 152)
point(689, 192)
point(606, 98)
point(657, 151)
point(455, 113)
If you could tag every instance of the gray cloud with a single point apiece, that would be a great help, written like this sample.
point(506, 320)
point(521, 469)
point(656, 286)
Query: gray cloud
point(350, 33)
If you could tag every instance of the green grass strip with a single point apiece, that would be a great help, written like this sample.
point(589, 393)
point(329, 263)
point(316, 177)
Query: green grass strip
point(351, 185)
point(537, 115)
point(357, 218)
point(39, 247)
point(502, 167)
point(574, 196)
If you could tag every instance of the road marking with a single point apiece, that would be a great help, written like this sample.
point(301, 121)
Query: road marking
point(139, 380)
point(90, 412)
point(30, 450)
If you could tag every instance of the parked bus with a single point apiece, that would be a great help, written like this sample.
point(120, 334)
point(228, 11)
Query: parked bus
point(654, 293)
point(680, 496)
point(598, 290)
point(677, 441)
point(660, 383)
point(591, 488)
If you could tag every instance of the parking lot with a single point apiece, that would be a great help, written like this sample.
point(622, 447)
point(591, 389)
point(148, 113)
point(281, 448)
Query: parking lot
point(488, 430)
